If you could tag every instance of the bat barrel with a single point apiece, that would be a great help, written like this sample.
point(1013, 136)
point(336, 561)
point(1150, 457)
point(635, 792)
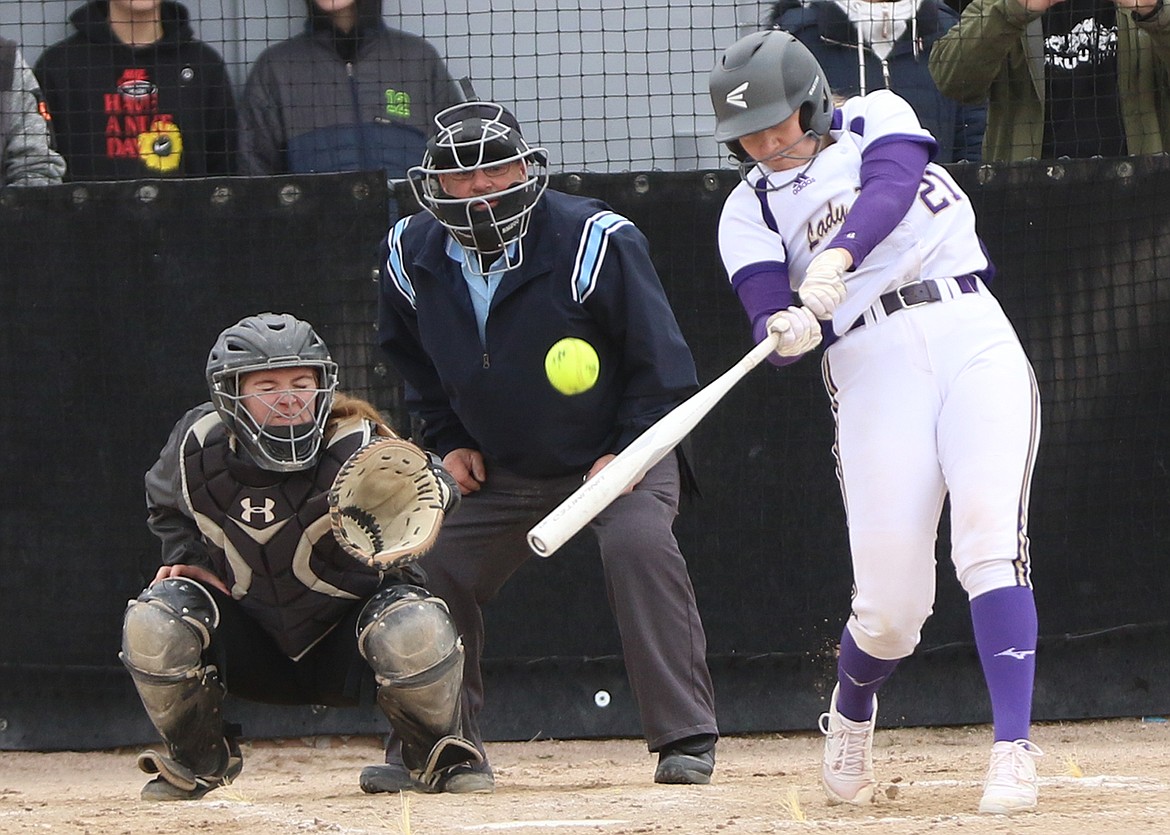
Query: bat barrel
point(538, 546)
point(592, 497)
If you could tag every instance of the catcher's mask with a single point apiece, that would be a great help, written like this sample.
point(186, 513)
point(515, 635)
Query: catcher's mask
point(481, 135)
point(760, 81)
point(270, 341)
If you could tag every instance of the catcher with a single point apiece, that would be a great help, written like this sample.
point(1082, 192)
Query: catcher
point(290, 516)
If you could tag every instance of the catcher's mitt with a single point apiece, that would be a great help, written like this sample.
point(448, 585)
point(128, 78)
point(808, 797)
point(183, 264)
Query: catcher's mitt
point(387, 503)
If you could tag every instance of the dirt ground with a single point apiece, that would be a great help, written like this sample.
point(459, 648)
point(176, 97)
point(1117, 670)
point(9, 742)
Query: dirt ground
point(1096, 777)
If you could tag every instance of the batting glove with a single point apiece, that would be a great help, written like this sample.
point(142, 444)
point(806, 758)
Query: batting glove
point(823, 287)
point(799, 331)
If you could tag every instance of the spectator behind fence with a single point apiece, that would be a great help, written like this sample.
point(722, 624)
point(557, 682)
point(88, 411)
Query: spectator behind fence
point(27, 157)
point(478, 295)
point(347, 94)
point(133, 94)
point(1080, 78)
point(866, 45)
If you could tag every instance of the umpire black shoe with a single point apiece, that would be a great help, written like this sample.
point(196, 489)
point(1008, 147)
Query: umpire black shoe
point(689, 761)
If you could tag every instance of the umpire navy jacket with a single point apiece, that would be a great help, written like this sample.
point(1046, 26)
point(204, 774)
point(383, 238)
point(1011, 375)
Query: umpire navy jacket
point(586, 273)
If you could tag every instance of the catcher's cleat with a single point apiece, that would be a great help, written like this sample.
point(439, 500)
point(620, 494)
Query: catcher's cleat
point(460, 779)
point(174, 782)
point(689, 761)
point(1011, 778)
point(387, 777)
point(467, 778)
point(847, 765)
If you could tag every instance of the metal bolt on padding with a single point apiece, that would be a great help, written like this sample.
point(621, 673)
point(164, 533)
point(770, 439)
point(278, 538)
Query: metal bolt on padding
point(290, 194)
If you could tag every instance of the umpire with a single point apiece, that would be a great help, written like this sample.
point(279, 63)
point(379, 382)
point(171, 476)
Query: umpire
point(474, 293)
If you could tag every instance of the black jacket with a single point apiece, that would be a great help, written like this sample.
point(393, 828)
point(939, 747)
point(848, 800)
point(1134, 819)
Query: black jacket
point(123, 112)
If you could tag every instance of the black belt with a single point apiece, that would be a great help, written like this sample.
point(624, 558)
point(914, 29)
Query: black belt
point(923, 292)
point(919, 293)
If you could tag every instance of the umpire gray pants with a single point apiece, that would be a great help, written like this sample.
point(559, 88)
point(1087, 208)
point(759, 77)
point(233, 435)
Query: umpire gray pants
point(663, 644)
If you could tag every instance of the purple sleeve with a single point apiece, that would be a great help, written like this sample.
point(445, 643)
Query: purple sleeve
point(891, 173)
point(763, 289)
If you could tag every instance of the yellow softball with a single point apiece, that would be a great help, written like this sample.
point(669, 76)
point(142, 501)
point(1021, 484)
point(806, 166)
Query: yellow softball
point(572, 365)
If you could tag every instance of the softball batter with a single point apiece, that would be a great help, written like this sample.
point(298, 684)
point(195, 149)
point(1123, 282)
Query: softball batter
point(843, 230)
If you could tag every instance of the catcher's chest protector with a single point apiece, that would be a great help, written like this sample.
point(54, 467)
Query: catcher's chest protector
point(273, 541)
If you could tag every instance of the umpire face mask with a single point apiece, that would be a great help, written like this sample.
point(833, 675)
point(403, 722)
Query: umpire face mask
point(481, 181)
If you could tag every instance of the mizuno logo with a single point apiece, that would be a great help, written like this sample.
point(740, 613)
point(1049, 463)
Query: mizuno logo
point(1018, 654)
point(735, 97)
point(865, 683)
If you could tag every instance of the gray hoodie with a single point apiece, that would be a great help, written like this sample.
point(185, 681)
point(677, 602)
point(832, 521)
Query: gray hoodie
point(27, 157)
point(325, 100)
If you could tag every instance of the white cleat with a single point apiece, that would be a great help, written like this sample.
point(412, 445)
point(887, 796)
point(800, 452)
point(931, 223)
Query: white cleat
point(847, 767)
point(1011, 779)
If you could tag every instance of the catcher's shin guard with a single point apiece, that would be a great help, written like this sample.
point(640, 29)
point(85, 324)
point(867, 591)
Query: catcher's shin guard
point(408, 638)
point(165, 633)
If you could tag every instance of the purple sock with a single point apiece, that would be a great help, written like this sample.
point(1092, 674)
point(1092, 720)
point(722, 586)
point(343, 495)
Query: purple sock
point(1005, 633)
point(859, 675)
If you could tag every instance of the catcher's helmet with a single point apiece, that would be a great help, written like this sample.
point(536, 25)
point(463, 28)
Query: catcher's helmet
point(473, 135)
point(761, 80)
point(268, 341)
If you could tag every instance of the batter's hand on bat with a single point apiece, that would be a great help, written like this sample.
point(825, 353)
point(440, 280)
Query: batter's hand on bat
point(799, 331)
point(466, 467)
point(823, 287)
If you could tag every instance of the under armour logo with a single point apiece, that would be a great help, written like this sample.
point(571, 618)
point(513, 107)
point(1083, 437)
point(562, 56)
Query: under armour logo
point(1018, 654)
point(735, 97)
point(265, 510)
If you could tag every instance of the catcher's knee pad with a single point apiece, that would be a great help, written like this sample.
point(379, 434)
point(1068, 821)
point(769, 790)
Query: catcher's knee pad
point(166, 630)
point(407, 637)
point(165, 634)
